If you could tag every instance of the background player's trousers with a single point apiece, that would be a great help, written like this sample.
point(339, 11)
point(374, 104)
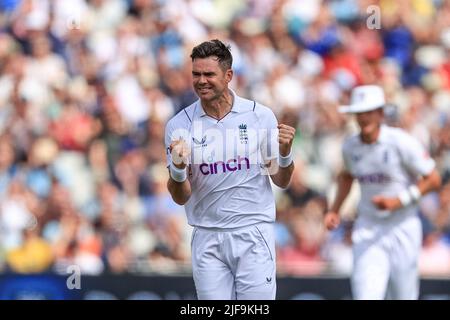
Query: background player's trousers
point(385, 262)
point(234, 263)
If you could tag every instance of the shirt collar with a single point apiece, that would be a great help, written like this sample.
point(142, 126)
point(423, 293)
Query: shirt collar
point(235, 108)
point(383, 134)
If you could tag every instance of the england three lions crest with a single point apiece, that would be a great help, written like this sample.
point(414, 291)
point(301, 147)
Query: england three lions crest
point(243, 134)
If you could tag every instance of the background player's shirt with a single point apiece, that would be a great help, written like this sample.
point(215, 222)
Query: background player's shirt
point(230, 185)
point(385, 167)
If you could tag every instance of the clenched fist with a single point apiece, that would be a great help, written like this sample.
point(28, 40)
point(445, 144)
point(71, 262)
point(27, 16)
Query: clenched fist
point(180, 152)
point(285, 137)
point(331, 220)
point(387, 203)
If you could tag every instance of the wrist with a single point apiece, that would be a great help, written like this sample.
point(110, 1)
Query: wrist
point(179, 166)
point(177, 174)
point(410, 195)
point(414, 192)
point(285, 161)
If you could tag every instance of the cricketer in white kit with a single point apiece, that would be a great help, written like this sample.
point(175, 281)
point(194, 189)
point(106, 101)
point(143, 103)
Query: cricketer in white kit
point(393, 170)
point(221, 151)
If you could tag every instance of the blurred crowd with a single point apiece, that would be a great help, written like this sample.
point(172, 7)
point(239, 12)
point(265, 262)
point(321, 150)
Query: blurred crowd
point(86, 87)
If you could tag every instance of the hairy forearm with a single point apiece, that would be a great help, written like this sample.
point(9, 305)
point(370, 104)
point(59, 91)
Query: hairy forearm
point(430, 182)
point(344, 185)
point(282, 177)
point(180, 191)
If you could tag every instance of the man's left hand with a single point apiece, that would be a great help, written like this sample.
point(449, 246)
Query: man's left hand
point(386, 203)
point(285, 137)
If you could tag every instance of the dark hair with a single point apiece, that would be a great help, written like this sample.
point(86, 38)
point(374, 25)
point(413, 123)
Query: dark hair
point(214, 48)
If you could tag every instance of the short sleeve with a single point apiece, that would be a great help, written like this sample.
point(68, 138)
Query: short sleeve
point(414, 156)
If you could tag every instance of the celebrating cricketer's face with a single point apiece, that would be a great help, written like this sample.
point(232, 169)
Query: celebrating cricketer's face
point(209, 79)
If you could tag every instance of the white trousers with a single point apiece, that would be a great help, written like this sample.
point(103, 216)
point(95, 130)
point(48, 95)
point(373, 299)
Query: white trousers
point(234, 264)
point(385, 260)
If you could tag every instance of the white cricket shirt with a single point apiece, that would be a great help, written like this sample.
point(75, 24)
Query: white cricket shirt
point(230, 185)
point(385, 167)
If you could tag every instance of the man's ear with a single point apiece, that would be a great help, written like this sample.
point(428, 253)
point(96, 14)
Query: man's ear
point(229, 75)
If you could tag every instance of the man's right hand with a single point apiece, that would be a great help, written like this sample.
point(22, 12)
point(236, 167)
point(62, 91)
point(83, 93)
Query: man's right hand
point(331, 220)
point(180, 152)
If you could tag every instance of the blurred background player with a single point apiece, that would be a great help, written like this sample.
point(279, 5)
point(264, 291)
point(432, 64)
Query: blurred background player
point(227, 198)
point(393, 171)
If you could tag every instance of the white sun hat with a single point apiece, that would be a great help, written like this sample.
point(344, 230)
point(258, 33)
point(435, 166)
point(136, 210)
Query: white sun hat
point(364, 98)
